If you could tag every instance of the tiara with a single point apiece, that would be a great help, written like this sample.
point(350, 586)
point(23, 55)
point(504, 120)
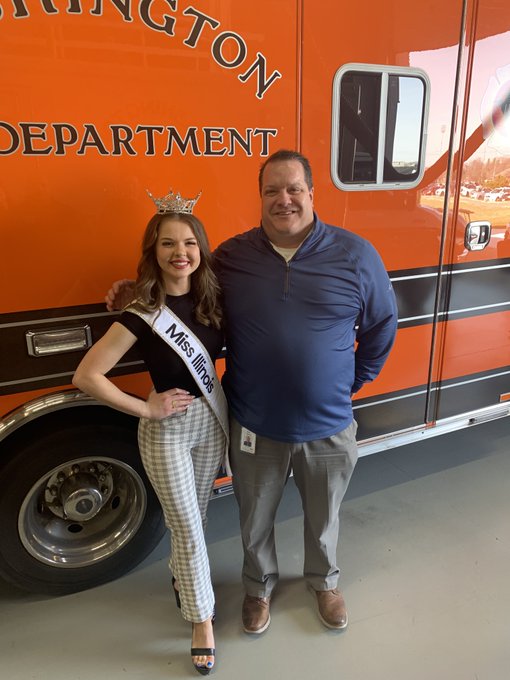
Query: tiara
point(174, 203)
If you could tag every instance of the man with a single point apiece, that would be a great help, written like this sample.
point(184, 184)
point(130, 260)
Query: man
point(297, 294)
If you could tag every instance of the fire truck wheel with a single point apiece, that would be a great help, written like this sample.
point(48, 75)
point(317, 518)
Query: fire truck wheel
point(76, 510)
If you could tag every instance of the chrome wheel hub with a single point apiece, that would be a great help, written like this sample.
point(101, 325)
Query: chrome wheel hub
point(82, 512)
point(79, 491)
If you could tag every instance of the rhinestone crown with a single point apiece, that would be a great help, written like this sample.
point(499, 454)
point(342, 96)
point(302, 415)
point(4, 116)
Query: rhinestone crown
point(174, 203)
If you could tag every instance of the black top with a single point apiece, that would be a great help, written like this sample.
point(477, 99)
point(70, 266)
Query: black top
point(165, 366)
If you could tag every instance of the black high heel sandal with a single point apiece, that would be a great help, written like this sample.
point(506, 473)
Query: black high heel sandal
point(204, 651)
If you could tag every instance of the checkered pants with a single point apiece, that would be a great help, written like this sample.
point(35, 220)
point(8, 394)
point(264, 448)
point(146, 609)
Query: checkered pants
point(181, 455)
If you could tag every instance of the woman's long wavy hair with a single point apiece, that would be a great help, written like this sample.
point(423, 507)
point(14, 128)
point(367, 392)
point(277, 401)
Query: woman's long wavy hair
point(205, 291)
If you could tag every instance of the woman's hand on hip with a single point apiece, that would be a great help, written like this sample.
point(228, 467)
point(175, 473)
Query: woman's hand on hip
point(168, 403)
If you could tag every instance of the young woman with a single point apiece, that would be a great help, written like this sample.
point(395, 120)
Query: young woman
point(176, 320)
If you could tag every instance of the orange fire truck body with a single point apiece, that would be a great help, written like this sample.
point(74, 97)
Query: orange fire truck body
point(402, 111)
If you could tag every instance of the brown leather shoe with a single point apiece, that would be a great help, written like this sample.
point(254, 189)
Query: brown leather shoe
point(332, 611)
point(256, 617)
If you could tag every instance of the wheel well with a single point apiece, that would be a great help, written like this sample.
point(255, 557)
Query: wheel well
point(64, 419)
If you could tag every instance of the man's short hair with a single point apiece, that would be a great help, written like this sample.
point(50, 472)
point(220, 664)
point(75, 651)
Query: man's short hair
point(287, 155)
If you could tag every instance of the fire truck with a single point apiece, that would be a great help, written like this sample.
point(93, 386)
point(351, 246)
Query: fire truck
point(402, 109)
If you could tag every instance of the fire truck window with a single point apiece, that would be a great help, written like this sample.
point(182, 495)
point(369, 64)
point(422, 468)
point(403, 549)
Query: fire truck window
point(378, 127)
point(359, 127)
point(404, 114)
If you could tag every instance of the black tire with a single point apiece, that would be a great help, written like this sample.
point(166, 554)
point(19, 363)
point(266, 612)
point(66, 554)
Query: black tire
point(42, 549)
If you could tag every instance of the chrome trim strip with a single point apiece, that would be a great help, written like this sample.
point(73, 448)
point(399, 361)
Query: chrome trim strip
point(447, 273)
point(404, 437)
point(473, 380)
point(433, 389)
point(387, 401)
point(413, 276)
point(456, 311)
point(476, 269)
point(41, 406)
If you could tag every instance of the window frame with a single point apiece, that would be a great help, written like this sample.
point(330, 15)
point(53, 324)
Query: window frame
point(385, 72)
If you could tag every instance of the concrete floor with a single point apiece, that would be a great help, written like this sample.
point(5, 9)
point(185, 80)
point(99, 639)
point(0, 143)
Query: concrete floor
point(425, 554)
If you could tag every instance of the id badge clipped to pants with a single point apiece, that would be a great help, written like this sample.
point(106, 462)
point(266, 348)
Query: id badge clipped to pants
point(248, 441)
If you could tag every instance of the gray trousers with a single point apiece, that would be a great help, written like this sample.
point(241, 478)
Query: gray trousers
point(322, 470)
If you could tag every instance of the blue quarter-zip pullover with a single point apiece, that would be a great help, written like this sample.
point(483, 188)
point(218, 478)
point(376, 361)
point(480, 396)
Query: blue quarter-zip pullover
point(292, 363)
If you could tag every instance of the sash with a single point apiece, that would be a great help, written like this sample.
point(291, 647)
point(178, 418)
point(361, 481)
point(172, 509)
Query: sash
point(183, 341)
